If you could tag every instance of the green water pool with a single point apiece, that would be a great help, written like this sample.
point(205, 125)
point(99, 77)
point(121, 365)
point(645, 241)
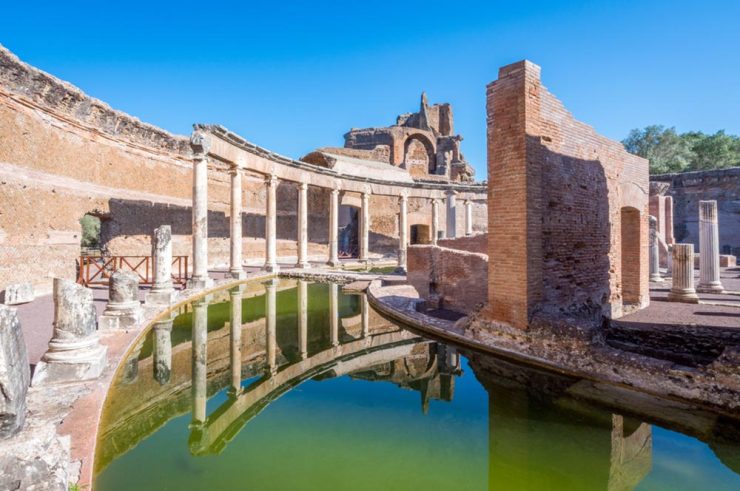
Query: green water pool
point(310, 389)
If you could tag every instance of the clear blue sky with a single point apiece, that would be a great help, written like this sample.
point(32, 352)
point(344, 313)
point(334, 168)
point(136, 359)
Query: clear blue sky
point(293, 76)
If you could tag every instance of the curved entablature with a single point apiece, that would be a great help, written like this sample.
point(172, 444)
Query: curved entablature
point(225, 146)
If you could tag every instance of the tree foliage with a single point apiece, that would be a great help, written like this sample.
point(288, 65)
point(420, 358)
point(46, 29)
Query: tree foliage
point(669, 151)
point(90, 231)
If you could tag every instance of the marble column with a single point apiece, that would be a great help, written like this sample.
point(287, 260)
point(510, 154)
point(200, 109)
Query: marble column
point(200, 277)
point(333, 228)
point(303, 318)
point(162, 291)
point(302, 226)
point(435, 221)
point(709, 281)
point(236, 269)
point(654, 252)
point(163, 349)
point(75, 352)
point(451, 231)
point(123, 310)
point(364, 227)
point(271, 183)
point(199, 346)
point(271, 327)
point(682, 289)
point(365, 315)
point(235, 335)
point(334, 313)
point(403, 226)
point(468, 217)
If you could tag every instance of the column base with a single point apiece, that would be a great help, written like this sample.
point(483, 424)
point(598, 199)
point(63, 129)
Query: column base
point(160, 297)
point(112, 320)
point(400, 270)
point(710, 288)
point(200, 283)
point(304, 265)
point(683, 296)
point(334, 263)
point(238, 274)
point(271, 268)
point(656, 278)
point(85, 364)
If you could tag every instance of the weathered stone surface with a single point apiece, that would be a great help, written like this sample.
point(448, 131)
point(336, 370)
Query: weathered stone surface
point(162, 291)
point(38, 459)
point(19, 293)
point(75, 352)
point(14, 373)
point(123, 309)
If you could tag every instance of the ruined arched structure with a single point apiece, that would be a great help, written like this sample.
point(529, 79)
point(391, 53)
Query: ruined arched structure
point(77, 154)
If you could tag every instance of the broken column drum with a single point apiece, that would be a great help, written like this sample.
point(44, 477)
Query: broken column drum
point(75, 352)
point(162, 291)
point(123, 310)
point(682, 289)
point(14, 373)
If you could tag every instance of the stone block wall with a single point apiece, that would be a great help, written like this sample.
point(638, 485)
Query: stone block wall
point(688, 188)
point(561, 198)
point(450, 278)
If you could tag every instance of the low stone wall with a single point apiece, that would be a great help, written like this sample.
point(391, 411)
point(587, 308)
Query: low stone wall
point(448, 278)
point(477, 243)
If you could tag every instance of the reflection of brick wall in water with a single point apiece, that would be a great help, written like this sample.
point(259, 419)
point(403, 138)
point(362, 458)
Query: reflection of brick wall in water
point(688, 188)
point(557, 191)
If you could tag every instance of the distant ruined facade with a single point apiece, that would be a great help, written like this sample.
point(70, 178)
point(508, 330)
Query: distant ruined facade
point(423, 144)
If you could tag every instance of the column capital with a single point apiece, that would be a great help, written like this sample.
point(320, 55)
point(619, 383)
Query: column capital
point(271, 180)
point(301, 186)
point(403, 198)
point(452, 192)
point(335, 191)
point(200, 144)
point(234, 170)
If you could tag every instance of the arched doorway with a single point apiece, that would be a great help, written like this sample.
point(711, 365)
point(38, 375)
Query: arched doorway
point(420, 234)
point(419, 157)
point(630, 250)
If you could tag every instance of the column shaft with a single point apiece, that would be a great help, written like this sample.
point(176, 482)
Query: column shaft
point(451, 231)
point(303, 318)
point(271, 184)
point(271, 328)
point(236, 269)
point(364, 227)
point(654, 251)
point(334, 228)
point(334, 313)
point(200, 277)
point(200, 359)
point(435, 221)
point(709, 280)
point(468, 217)
point(403, 226)
point(302, 226)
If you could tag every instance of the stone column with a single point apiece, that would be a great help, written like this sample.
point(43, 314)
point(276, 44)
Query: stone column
point(364, 227)
point(15, 374)
point(654, 252)
point(365, 315)
point(162, 292)
point(668, 214)
point(235, 331)
point(200, 278)
point(451, 231)
point(271, 328)
point(123, 310)
point(199, 342)
point(302, 226)
point(271, 183)
point(334, 314)
point(131, 365)
point(403, 223)
point(709, 281)
point(682, 289)
point(303, 318)
point(163, 349)
point(435, 221)
point(334, 228)
point(236, 270)
point(75, 352)
point(468, 217)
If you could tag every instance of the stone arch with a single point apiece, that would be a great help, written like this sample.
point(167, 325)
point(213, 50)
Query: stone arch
point(419, 150)
point(630, 255)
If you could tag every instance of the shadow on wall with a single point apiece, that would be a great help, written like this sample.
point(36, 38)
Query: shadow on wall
point(575, 232)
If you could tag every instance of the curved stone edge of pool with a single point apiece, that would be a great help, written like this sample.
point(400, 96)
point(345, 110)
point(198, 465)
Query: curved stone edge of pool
point(715, 387)
point(58, 442)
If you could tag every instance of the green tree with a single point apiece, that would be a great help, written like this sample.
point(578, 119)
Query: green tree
point(90, 231)
point(717, 151)
point(666, 150)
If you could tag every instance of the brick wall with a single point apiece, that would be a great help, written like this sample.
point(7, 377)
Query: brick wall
point(477, 243)
point(454, 278)
point(556, 194)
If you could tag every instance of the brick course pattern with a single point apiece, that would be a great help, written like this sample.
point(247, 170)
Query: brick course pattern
point(565, 207)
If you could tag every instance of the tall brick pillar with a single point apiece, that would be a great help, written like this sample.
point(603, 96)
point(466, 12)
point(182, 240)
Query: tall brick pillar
point(514, 194)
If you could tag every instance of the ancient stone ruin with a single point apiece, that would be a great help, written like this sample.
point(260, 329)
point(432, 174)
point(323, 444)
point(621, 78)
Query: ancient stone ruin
point(15, 374)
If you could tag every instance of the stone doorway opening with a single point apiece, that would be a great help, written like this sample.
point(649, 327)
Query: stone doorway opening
point(349, 231)
point(420, 234)
point(630, 251)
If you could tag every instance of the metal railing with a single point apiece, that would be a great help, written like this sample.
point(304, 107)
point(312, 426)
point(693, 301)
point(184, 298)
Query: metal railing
point(96, 270)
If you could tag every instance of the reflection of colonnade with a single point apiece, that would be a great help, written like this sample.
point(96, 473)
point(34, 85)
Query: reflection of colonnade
point(217, 145)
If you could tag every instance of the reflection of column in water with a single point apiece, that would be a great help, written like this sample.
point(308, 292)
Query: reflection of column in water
point(235, 322)
point(365, 315)
point(200, 359)
point(334, 313)
point(632, 453)
point(131, 370)
point(271, 290)
point(163, 349)
point(303, 318)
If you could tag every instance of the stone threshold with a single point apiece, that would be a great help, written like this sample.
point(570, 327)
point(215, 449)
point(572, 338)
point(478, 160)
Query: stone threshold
point(715, 387)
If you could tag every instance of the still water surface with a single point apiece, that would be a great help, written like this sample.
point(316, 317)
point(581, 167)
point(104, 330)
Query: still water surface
point(315, 391)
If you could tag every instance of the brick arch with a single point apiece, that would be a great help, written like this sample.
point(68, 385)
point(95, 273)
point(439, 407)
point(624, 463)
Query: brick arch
point(428, 146)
